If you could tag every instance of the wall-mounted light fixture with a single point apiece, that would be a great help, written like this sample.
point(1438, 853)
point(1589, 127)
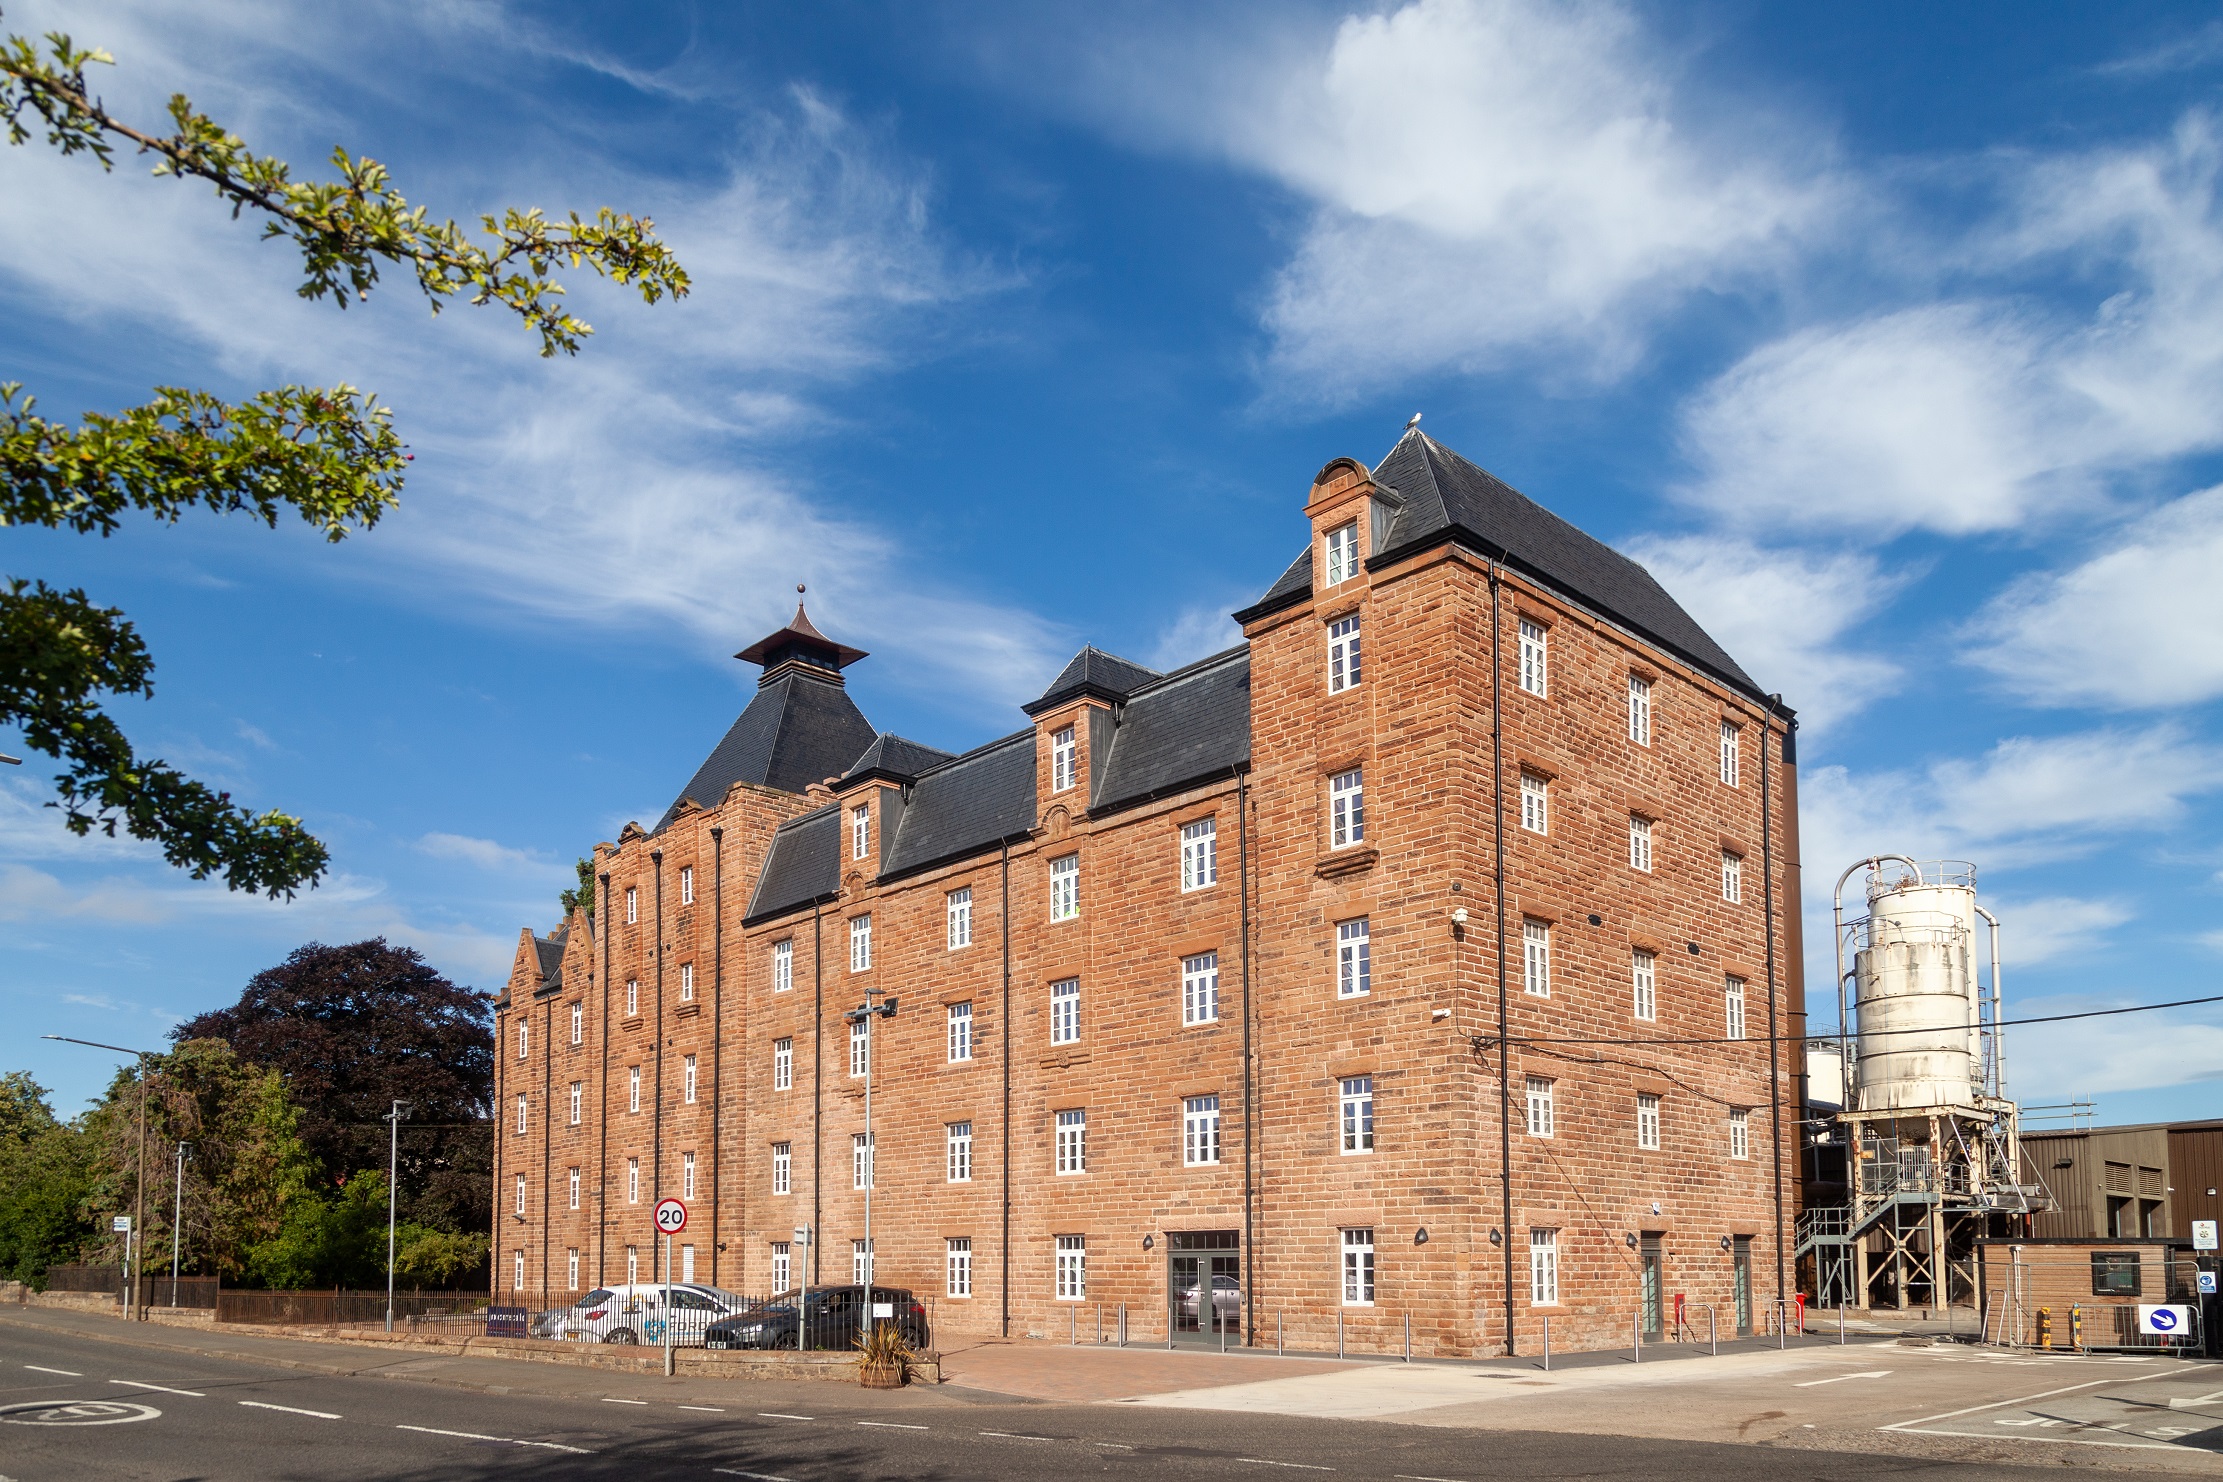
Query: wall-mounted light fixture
point(1496, 1237)
point(1631, 1237)
point(1148, 1241)
point(1420, 1236)
point(1726, 1242)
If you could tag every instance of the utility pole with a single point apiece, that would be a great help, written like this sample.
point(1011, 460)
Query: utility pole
point(132, 1305)
point(177, 1220)
point(393, 1173)
point(864, 1014)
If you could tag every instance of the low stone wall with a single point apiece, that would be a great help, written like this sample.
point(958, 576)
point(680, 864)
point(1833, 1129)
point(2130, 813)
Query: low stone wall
point(15, 1293)
point(695, 1363)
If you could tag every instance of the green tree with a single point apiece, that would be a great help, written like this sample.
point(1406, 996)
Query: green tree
point(581, 899)
point(330, 454)
point(45, 1175)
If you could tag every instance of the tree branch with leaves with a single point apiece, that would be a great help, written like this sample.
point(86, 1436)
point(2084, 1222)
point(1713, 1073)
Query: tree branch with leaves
point(330, 455)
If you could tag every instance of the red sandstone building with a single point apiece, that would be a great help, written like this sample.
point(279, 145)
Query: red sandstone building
point(1208, 980)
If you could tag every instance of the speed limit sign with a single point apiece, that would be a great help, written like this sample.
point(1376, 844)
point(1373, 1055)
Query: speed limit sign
point(671, 1216)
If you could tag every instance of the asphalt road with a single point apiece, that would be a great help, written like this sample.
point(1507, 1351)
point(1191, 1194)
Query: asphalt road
point(76, 1408)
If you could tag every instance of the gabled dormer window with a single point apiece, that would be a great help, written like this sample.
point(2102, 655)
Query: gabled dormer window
point(1062, 763)
point(1342, 555)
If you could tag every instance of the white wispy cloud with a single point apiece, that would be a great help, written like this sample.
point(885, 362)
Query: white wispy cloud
point(2048, 928)
point(486, 854)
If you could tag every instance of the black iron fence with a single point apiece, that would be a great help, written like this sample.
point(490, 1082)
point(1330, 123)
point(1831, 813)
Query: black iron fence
point(339, 1307)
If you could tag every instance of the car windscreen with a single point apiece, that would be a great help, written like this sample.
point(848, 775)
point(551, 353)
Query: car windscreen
point(595, 1298)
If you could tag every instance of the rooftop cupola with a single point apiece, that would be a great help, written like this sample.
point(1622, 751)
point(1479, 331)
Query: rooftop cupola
point(800, 648)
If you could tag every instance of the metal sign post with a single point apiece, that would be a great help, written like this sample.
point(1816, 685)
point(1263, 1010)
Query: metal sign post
point(671, 1218)
point(121, 1225)
point(802, 1297)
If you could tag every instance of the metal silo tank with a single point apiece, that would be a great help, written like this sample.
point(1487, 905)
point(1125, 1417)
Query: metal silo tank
point(1915, 990)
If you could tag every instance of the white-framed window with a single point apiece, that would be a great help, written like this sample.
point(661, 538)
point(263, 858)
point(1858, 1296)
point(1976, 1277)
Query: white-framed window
point(578, 1098)
point(632, 1180)
point(957, 1266)
point(860, 831)
point(633, 1088)
point(517, 1273)
point(1354, 959)
point(1732, 1007)
point(632, 998)
point(1644, 984)
point(1072, 1268)
point(524, 1036)
point(1200, 1131)
point(1200, 854)
point(1539, 1106)
point(686, 1263)
point(521, 1105)
point(632, 1263)
point(783, 1063)
point(1535, 957)
point(1347, 809)
point(958, 1137)
point(1358, 1268)
point(687, 1080)
point(1543, 1268)
point(686, 885)
point(1342, 555)
point(1355, 1113)
point(860, 943)
point(860, 1048)
point(1072, 1140)
point(1064, 760)
point(1535, 803)
point(1065, 1011)
point(573, 1194)
point(960, 917)
point(686, 1175)
point(1535, 657)
point(1065, 887)
point(1740, 1132)
point(783, 1168)
point(1732, 878)
point(860, 1262)
point(1647, 1121)
point(860, 1160)
point(783, 965)
point(1345, 667)
point(686, 982)
point(571, 1267)
point(578, 1023)
point(632, 906)
point(1640, 843)
point(1200, 988)
point(783, 1267)
point(1730, 736)
point(1640, 710)
point(960, 1032)
point(520, 1193)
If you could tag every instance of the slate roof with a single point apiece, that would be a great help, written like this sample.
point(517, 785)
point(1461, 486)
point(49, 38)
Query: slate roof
point(1447, 498)
point(548, 955)
point(796, 730)
point(1193, 724)
point(803, 864)
point(896, 758)
point(972, 803)
point(1092, 672)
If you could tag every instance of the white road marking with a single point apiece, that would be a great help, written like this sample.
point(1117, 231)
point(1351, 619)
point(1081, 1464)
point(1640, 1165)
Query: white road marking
point(758, 1476)
point(1015, 1436)
point(2181, 1403)
point(608, 1401)
point(2059, 1440)
point(1407, 1477)
point(290, 1409)
point(1838, 1378)
point(775, 1415)
point(140, 1384)
point(1302, 1466)
point(2026, 1399)
point(498, 1440)
point(714, 1409)
point(71, 1373)
point(891, 1425)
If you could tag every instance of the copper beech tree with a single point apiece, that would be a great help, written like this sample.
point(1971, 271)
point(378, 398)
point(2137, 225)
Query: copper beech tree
point(330, 454)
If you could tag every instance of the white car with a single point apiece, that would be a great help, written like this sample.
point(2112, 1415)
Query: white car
point(640, 1311)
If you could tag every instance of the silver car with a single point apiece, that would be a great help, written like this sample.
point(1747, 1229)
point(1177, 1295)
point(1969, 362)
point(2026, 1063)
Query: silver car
point(642, 1312)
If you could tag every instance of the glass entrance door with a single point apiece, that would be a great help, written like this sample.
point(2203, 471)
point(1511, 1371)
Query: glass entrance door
point(1204, 1285)
point(1651, 1263)
point(1741, 1265)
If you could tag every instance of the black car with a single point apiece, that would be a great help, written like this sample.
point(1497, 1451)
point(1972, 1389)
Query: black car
point(835, 1315)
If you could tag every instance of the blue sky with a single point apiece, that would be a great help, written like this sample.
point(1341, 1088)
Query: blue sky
point(1891, 341)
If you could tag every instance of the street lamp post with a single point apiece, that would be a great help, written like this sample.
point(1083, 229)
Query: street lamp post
point(393, 1173)
point(864, 1014)
point(139, 1180)
point(177, 1220)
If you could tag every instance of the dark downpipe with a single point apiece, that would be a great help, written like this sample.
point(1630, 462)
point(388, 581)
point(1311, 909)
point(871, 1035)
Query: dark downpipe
point(1003, 1013)
point(547, 1129)
point(717, 1033)
point(1250, 1109)
point(656, 1151)
point(1775, 1045)
point(817, 1077)
point(1504, 1049)
point(602, 1153)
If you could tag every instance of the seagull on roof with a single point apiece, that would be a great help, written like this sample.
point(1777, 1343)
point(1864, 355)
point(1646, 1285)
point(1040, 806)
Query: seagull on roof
point(1415, 422)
